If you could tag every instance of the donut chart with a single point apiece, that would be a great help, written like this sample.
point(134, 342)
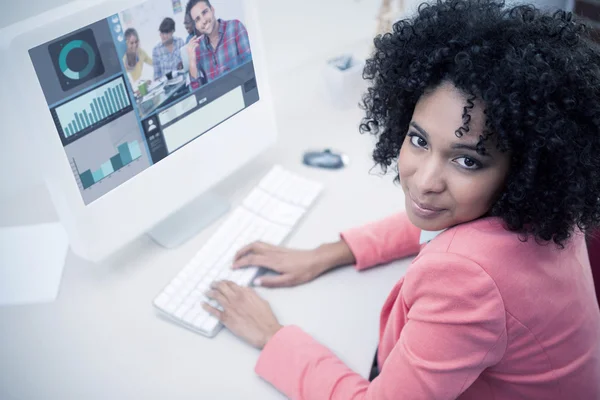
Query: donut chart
point(64, 53)
point(76, 59)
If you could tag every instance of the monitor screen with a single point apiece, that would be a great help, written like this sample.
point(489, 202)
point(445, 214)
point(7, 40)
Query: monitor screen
point(129, 90)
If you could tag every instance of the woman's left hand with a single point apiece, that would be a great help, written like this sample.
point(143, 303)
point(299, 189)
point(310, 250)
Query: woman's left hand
point(244, 313)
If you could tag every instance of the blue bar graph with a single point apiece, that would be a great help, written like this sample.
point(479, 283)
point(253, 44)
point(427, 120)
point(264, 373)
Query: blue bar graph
point(97, 175)
point(93, 107)
point(94, 114)
point(117, 100)
point(106, 101)
point(134, 150)
point(120, 93)
point(128, 152)
point(125, 154)
point(105, 105)
point(79, 124)
point(112, 101)
point(97, 110)
point(107, 168)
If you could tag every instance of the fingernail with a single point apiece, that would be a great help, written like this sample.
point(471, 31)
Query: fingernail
point(257, 282)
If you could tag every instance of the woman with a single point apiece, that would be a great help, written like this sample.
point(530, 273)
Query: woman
point(493, 117)
point(135, 57)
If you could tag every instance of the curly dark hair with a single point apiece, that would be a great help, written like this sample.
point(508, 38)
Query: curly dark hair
point(538, 76)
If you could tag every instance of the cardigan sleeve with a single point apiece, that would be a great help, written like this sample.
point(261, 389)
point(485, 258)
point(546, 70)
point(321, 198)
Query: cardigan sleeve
point(383, 241)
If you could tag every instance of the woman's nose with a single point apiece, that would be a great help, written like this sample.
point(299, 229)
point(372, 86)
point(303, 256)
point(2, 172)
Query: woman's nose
point(430, 177)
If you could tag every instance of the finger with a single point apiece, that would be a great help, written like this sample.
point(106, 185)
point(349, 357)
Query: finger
point(213, 311)
point(218, 297)
point(252, 260)
point(226, 288)
point(284, 280)
point(254, 247)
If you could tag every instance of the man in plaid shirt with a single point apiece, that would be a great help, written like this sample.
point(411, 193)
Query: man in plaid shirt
point(218, 47)
point(166, 55)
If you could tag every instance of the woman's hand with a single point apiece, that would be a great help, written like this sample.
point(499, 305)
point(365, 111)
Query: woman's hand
point(243, 312)
point(295, 266)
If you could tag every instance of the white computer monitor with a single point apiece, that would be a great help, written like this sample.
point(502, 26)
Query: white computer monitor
point(120, 153)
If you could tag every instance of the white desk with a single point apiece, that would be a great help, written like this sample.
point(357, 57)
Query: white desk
point(102, 339)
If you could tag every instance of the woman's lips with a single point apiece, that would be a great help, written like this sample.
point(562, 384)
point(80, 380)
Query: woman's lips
point(425, 210)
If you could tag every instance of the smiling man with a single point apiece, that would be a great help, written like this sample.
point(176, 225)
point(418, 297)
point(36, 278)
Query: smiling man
point(218, 46)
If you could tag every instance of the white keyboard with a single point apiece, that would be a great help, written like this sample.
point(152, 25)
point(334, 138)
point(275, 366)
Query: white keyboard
point(269, 213)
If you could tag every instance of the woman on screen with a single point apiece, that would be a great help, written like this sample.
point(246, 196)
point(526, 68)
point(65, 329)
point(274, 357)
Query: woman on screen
point(135, 57)
point(491, 115)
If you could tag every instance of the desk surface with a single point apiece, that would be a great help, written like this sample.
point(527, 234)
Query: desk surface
point(101, 339)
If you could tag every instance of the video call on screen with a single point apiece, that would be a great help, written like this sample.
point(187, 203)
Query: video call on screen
point(122, 97)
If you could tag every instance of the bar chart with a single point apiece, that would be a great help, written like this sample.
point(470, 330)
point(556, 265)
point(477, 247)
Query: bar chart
point(93, 107)
point(127, 153)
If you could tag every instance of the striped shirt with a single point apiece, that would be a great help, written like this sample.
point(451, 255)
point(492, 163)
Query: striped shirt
point(165, 61)
point(233, 50)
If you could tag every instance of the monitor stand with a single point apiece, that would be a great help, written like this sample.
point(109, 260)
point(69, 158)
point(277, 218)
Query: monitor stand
point(188, 221)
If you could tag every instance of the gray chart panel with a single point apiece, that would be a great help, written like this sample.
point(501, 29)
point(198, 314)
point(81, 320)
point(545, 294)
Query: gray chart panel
point(107, 157)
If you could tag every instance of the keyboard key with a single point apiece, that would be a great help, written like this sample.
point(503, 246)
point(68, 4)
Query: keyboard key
point(170, 308)
point(199, 320)
point(162, 300)
point(169, 290)
point(191, 315)
point(209, 324)
point(180, 312)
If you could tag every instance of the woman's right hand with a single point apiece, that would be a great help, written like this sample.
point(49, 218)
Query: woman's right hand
point(294, 266)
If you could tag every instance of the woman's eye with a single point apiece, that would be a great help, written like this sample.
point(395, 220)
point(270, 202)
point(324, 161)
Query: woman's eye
point(468, 163)
point(418, 141)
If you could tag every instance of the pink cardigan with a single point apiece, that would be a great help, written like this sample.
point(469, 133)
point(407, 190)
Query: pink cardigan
point(478, 315)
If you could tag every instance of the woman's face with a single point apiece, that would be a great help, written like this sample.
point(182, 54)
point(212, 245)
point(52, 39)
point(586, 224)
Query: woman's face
point(132, 44)
point(445, 181)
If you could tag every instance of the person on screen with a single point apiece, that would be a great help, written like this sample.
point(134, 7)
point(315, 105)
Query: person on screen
point(166, 55)
point(189, 27)
point(219, 45)
point(489, 116)
point(135, 57)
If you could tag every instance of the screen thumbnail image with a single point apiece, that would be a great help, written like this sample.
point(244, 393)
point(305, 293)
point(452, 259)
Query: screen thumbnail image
point(155, 51)
point(107, 157)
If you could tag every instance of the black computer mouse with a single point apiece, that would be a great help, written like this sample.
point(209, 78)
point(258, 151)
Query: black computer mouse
point(325, 159)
